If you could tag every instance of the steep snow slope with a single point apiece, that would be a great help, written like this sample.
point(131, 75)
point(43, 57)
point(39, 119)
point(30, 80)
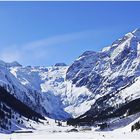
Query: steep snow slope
point(32, 79)
point(50, 83)
point(30, 97)
point(19, 101)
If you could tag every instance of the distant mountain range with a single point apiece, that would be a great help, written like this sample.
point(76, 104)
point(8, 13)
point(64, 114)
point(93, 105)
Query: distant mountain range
point(97, 88)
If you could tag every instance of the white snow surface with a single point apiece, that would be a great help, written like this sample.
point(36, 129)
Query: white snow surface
point(43, 135)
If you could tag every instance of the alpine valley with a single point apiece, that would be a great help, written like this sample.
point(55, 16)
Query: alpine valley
point(99, 92)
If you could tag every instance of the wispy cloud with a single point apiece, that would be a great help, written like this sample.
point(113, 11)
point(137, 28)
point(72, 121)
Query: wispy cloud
point(39, 49)
point(56, 40)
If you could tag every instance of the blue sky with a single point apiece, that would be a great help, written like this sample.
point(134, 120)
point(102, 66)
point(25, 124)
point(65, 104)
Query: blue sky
point(44, 33)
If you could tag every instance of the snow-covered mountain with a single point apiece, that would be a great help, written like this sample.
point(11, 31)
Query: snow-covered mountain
point(113, 77)
point(96, 87)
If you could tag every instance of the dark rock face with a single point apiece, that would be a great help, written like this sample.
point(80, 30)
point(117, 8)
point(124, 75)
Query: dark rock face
point(135, 126)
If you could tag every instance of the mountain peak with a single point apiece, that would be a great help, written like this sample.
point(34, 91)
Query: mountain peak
point(60, 64)
point(9, 64)
point(13, 64)
point(136, 32)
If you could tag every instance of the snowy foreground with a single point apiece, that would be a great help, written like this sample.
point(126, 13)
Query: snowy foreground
point(49, 129)
point(43, 135)
point(52, 131)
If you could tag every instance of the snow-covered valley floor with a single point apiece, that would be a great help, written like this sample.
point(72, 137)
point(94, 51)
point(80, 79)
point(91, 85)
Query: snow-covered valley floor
point(45, 132)
point(42, 135)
